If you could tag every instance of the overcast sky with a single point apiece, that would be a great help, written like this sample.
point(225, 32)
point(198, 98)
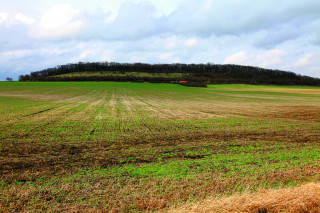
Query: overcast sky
point(37, 34)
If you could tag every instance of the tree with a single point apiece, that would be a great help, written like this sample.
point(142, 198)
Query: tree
point(9, 79)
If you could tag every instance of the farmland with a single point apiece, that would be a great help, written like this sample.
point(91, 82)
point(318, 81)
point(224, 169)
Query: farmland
point(130, 147)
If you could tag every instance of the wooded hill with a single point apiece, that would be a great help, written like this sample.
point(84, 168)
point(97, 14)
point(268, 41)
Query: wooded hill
point(169, 73)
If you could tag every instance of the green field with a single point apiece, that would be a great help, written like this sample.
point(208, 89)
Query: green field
point(137, 147)
point(122, 74)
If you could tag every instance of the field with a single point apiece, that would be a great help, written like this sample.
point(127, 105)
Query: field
point(122, 74)
point(137, 147)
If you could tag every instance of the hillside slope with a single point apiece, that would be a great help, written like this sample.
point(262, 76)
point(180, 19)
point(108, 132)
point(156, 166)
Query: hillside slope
point(172, 73)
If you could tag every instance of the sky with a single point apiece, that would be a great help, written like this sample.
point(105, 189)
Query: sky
point(38, 34)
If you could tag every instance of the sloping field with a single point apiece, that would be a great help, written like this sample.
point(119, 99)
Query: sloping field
point(130, 147)
point(114, 73)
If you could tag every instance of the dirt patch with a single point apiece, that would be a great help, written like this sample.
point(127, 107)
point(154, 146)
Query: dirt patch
point(296, 113)
point(20, 158)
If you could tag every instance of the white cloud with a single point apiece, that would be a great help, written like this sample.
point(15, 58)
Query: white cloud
point(16, 53)
point(270, 58)
point(133, 22)
point(305, 61)
point(24, 19)
point(170, 43)
point(53, 51)
point(308, 64)
point(3, 17)
point(58, 16)
point(82, 56)
point(165, 56)
point(267, 59)
point(91, 51)
point(61, 21)
point(239, 58)
point(190, 43)
point(106, 55)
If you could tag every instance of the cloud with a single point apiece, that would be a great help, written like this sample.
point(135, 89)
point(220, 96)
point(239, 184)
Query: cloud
point(278, 35)
point(272, 22)
point(24, 19)
point(3, 17)
point(271, 58)
point(165, 56)
point(60, 21)
point(170, 43)
point(191, 43)
point(267, 59)
point(133, 22)
point(239, 58)
point(308, 64)
point(305, 61)
point(16, 54)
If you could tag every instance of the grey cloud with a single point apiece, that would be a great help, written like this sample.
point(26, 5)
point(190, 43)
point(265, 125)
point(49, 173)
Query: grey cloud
point(280, 20)
point(236, 17)
point(133, 22)
point(15, 39)
point(316, 41)
point(202, 18)
point(277, 35)
point(313, 30)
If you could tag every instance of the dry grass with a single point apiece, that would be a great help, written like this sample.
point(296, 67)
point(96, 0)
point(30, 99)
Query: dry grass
point(305, 198)
point(298, 91)
point(307, 91)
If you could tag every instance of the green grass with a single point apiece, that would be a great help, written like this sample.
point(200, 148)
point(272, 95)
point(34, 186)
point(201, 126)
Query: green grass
point(130, 147)
point(117, 73)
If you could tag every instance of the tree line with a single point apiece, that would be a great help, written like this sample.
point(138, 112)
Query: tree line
point(202, 73)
